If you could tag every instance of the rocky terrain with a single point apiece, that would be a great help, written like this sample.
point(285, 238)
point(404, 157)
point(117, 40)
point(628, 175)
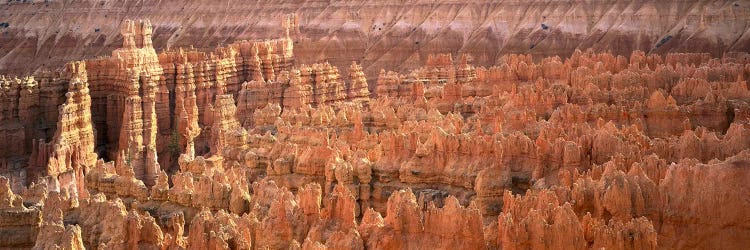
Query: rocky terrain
point(385, 34)
point(263, 144)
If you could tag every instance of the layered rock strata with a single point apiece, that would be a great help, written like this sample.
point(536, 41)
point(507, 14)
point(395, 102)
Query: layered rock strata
point(393, 35)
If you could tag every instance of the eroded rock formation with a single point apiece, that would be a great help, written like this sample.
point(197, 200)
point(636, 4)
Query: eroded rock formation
point(241, 147)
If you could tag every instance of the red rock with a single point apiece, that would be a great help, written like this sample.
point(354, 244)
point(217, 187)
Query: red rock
point(238, 146)
point(682, 202)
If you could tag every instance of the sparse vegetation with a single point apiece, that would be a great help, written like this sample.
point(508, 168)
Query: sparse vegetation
point(174, 143)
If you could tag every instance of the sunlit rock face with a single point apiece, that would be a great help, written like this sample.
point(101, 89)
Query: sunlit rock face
point(390, 34)
point(385, 125)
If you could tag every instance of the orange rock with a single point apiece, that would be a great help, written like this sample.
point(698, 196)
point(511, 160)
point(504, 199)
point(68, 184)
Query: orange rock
point(241, 147)
point(688, 212)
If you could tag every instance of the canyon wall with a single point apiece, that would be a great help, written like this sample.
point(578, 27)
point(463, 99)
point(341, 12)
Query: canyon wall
point(392, 34)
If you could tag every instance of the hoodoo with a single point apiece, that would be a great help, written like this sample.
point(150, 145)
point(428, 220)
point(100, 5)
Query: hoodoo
point(384, 125)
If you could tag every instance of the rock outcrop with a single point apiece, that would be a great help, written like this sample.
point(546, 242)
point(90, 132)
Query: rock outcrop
point(242, 147)
point(70, 154)
point(345, 32)
point(19, 225)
